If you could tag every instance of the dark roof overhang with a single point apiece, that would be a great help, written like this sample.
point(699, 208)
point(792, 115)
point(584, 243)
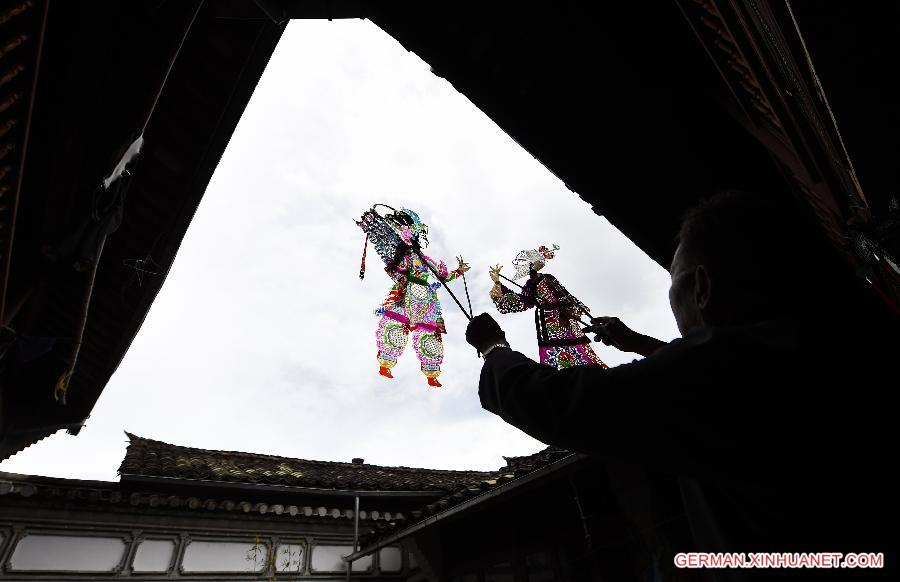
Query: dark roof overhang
point(504, 488)
point(640, 110)
point(110, 72)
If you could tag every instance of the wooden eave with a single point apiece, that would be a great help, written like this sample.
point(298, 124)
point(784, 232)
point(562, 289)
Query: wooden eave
point(640, 111)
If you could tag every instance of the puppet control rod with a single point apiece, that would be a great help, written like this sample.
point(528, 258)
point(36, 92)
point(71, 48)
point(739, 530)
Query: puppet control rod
point(581, 321)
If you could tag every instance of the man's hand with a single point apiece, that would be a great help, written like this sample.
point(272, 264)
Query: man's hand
point(483, 332)
point(612, 332)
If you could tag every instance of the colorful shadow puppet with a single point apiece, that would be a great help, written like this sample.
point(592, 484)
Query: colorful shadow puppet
point(561, 343)
point(412, 307)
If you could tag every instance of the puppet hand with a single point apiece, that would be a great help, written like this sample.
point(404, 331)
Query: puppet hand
point(463, 266)
point(483, 332)
point(495, 273)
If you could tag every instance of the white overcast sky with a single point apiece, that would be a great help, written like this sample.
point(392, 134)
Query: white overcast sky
point(262, 338)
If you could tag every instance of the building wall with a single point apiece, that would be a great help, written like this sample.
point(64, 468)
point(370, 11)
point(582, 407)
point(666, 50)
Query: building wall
point(46, 539)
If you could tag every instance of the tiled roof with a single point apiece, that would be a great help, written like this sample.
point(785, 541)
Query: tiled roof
point(50, 490)
point(150, 458)
point(526, 463)
point(516, 468)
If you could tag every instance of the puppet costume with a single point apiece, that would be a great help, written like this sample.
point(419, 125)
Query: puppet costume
point(561, 343)
point(412, 307)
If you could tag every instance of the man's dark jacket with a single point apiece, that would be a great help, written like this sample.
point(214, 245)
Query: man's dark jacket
point(774, 431)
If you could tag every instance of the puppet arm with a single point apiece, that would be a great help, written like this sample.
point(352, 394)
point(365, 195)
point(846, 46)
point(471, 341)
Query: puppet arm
point(445, 274)
point(508, 301)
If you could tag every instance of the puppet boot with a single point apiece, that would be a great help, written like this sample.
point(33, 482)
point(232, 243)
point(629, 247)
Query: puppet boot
point(385, 371)
point(434, 382)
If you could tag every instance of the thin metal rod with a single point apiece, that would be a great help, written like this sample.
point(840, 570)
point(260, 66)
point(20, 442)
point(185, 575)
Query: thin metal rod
point(169, 68)
point(488, 495)
point(469, 299)
point(466, 286)
point(584, 520)
point(511, 281)
point(441, 281)
point(355, 535)
point(356, 524)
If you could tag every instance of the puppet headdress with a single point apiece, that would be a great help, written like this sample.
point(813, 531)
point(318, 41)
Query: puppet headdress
point(526, 259)
point(410, 226)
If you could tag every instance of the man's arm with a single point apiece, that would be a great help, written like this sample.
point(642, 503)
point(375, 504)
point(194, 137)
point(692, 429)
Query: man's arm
point(653, 409)
point(612, 332)
point(639, 411)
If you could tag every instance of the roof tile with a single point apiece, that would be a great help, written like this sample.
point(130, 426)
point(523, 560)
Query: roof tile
point(151, 458)
point(515, 467)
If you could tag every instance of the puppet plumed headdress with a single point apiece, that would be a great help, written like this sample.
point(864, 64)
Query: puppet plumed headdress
point(526, 259)
point(410, 226)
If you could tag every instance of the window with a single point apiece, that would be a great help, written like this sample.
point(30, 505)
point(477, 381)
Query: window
point(153, 556)
point(60, 553)
point(210, 556)
point(289, 558)
point(327, 558)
